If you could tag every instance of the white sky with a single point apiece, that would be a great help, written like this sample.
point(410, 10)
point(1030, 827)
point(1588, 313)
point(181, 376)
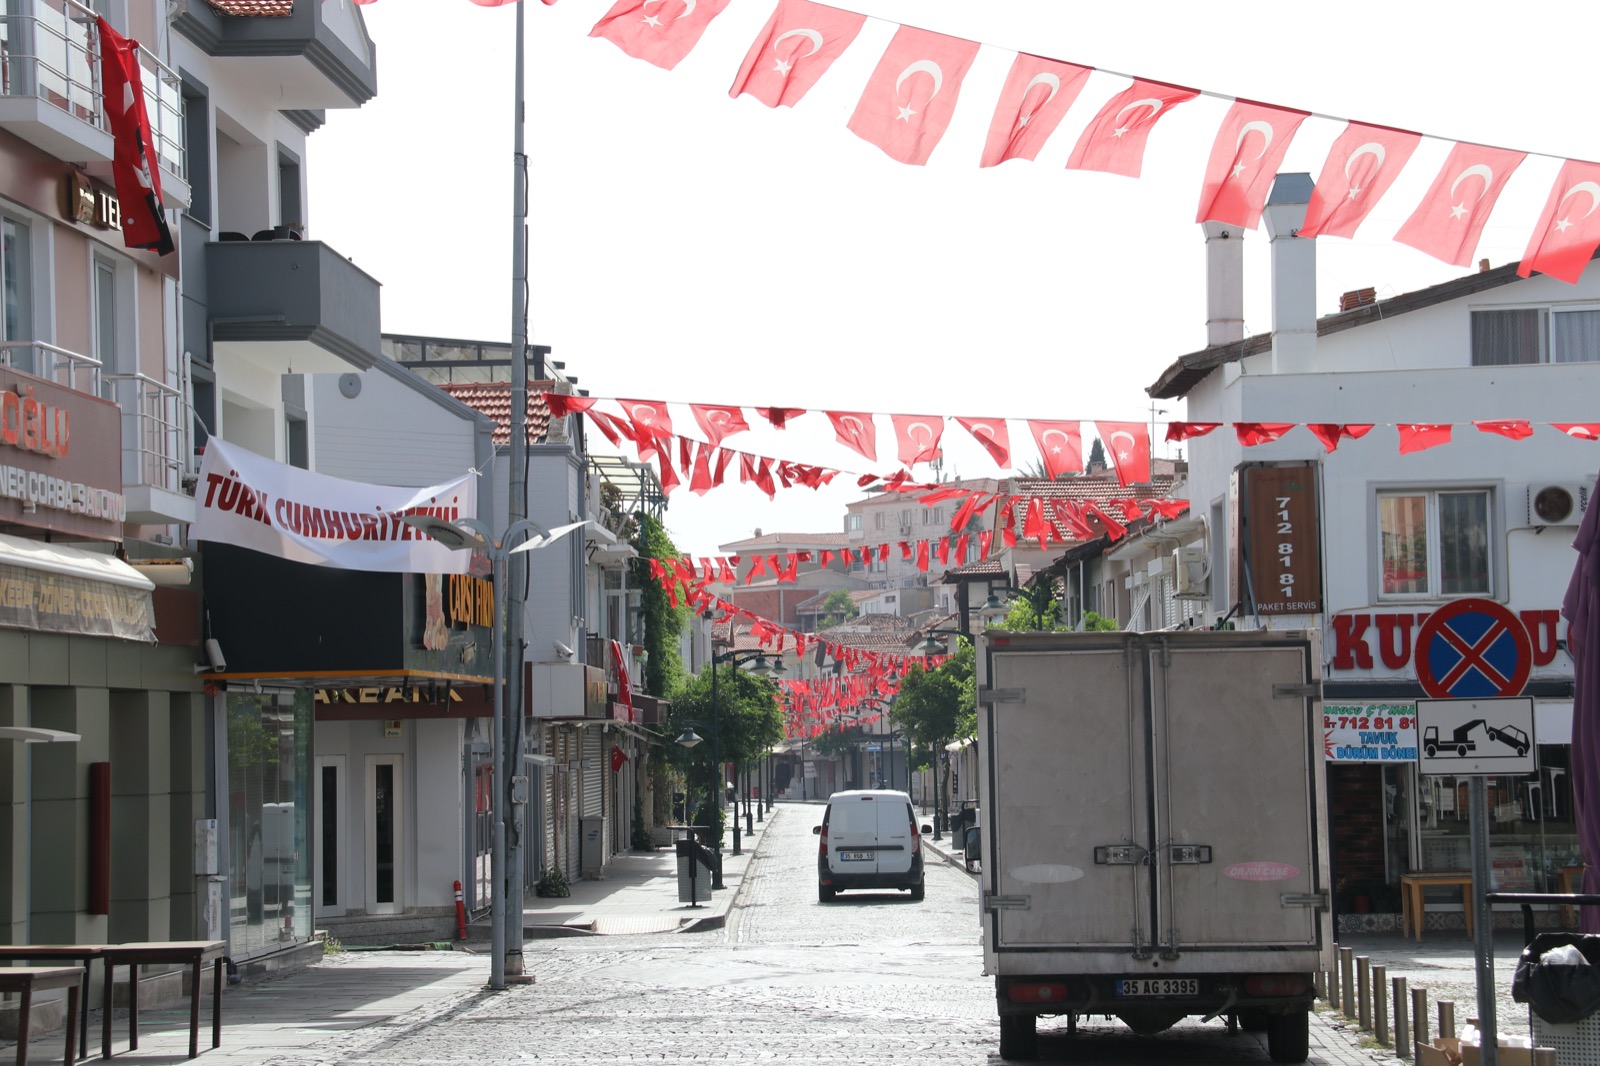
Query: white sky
point(690, 247)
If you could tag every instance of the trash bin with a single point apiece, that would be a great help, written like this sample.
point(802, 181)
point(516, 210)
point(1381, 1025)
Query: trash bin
point(694, 871)
point(1563, 997)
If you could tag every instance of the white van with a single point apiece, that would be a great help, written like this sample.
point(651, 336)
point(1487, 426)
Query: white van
point(869, 839)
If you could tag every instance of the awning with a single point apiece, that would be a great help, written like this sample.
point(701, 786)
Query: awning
point(53, 588)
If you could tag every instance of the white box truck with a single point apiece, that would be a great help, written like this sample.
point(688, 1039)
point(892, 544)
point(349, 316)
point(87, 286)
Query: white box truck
point(1155, 837)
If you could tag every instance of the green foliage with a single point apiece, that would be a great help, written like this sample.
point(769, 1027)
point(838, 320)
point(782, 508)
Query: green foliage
point(715, 821)
point(1097, 454)
point(330, 946)
point(552, 884)
point(937, 706)
point(663, 623)
point(1035, 610)
point(618, 521)
point(837, 608)
point(747, 719)
point(834, 741)
point(640, 840)
point(1099, 623)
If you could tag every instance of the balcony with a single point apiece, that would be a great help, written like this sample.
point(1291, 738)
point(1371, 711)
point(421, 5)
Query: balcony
point(70, 370)
point(301, 294)
point(50, 93)
point(155, 444)
point(317, 57)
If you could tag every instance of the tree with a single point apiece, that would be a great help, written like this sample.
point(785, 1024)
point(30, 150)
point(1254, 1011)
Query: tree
point(747, 723)
point(1037, 609)
point(1097, 455)
point(1099, 623)
point(838, 607)
point(663, 623)
point(937, 706)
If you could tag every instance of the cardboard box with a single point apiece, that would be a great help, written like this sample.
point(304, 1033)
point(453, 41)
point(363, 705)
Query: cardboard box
point(1442, 1052)
point(1509, 1055)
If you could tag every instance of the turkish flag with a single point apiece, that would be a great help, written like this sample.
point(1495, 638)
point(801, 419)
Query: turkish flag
point(1252, 433)
point(798, 45)
point(700, 479)
point(1060, 445)
point(1114, 140)
point(562, 404)
point(1168, 508)
point(855, 430)
point(1244, 159)
point(1447, 223)
point(1129, 447)
point(134, 166)
point(992, 434)
point(657, 31)
point(1181, 431)
point(718, 423)
point(918, 437)
point(1579, 430)
point(1569, 230)
point(1115, 529)
point(619, 662)
point(909, 98)
point(1514, 428)
point(650, 419)
point(618, 759)
point(1360, 167)
point(1330, 433)
point(1419, 436)
point(1036, 95)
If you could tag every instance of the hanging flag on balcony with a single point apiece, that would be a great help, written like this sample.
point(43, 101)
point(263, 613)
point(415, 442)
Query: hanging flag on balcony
point(134, 165)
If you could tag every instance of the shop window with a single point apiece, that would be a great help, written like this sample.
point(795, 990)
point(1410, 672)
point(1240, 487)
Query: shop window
point(1434, 544)
point(269, 789)
point(1528, 335)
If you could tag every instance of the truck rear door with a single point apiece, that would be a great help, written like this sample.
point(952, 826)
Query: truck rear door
point(1154, 793)
point(1066, 773)
point(1236, 778)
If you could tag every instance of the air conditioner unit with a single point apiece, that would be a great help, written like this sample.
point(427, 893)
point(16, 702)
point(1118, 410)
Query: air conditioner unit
point(1193, 572)
point(1557, 504)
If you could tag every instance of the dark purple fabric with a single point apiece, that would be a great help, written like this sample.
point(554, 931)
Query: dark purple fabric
point(1582, 609)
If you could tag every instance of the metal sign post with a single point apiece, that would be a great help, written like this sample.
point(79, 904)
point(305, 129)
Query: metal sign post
point(1483, 938)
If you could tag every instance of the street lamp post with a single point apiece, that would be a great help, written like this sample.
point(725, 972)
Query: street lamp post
point(737, 658)
point(523, 535)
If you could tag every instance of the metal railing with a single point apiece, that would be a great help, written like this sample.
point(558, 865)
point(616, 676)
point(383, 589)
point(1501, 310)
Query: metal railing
point(155, 430)
point(70, 369)
point(50, 49)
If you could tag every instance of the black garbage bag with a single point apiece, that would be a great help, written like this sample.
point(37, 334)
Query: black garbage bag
point(1560, 994)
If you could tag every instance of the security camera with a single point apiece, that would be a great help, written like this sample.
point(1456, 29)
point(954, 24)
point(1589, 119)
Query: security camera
point(564, 651)
point(215, 661)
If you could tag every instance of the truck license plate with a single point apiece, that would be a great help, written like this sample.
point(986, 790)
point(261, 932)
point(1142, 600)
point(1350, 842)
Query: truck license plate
point(1159, 986)
point(855, 856)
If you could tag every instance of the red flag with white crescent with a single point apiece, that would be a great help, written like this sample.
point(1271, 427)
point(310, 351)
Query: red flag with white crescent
point(1060, 445)
point(718, 423)
point(911, 95)
point(918, 437)
point(1450, 218)
point(1128, 445)
point(795, 48)
point(1036, 95)
point(1114, 139)
point(993, 435)
point(657, 31)
point(134, 165)
point(855, 430)
point(1361, 166)
point(1569, 229)
point(1244, 160)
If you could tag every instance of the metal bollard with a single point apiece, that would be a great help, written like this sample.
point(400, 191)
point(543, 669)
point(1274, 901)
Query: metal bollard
point(1364, 993)
point(1402, 1024)
point(1319, 984)
point(1447, 1018)
point(1380, 1003)
point(1347, 980)
point(1419, 1016)
point(1331, 987)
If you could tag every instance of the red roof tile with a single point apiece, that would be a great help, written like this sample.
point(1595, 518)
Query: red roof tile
point(257, 8)
point(493, 398)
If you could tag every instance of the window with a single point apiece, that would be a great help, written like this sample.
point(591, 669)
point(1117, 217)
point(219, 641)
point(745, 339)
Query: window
point(1527, 335)
point(933, 516)
point(16, 318)
point(878, 520)
point(1434, 544)
point(852, 523)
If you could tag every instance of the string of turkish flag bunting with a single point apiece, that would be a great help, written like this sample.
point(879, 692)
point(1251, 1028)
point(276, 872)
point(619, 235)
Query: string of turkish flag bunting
point(813, 704)
point(912, 93)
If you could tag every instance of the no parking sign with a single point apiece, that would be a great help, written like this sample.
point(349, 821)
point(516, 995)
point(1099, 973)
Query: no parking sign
point(1473, 649)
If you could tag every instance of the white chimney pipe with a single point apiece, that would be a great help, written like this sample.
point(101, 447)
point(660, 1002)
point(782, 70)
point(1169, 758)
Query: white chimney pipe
point(1224, 283)
point(1294, 275)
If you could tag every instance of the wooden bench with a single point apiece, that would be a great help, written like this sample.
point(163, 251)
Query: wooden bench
point(84, 954)
point(24, 980)
point(191, 953)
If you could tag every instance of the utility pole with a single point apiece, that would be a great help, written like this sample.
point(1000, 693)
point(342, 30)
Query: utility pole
point(514, 777)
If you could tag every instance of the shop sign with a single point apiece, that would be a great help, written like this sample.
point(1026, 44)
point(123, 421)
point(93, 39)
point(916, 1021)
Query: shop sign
point(1282, 539)
point(60, 458)
point(1364, 639)
point(384, 694)
point(1369, 732)
point(91, 203)
point(61, 603)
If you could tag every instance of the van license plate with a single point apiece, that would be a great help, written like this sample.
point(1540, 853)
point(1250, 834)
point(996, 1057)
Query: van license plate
point(855, 856)
point(1159, 986)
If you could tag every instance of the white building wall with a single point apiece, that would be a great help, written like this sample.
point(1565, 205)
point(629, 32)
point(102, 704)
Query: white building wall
point(438, 812)
point(387, 434)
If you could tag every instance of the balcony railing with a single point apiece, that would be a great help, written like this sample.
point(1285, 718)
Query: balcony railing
point(69, 369)
point(155, 430)
point(50, 51)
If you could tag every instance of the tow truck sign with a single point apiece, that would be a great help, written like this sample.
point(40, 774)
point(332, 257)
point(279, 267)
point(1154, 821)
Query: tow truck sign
point(1489, 736)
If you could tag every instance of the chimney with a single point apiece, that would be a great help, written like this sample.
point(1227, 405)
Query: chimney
point(1294, 275)
point(1224, 283)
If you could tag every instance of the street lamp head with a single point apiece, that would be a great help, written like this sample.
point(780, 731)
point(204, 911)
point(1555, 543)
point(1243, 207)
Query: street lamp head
point(777, 669)
point(456, 536)
point(930, 646)
point(689, 738)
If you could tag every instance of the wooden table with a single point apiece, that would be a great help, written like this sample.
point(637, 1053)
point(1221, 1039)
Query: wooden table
point(192, 953)
point(23, 980)
point(1412, 887)
point(85, 954)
